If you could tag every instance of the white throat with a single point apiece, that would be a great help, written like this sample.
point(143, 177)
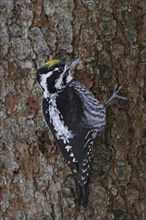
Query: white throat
point(59, 85)
point(69, 78)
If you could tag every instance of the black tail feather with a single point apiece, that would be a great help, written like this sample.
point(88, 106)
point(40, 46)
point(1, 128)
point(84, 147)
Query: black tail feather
point(78, 192)
point(82, 193)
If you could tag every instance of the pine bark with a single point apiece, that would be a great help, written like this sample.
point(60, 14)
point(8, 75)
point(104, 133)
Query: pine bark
point(110, 37)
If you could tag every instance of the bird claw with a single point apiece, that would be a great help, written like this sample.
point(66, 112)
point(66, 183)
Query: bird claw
point(115, 95)
point(117, 88)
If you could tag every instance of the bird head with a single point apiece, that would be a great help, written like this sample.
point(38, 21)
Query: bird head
point(55, 75)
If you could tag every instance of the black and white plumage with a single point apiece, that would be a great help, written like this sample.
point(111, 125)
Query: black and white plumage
point(74, 116)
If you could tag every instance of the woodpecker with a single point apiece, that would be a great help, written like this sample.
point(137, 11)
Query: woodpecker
point(74, 116)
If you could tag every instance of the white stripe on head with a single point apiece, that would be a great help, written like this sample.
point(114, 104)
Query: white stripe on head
point(58, 84)
point(60, 79)
point(43, 82)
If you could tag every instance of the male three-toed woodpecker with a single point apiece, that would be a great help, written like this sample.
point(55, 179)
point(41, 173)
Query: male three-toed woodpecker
point(74, 116)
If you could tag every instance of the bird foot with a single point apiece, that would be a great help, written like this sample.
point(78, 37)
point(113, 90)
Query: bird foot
point(115, 95)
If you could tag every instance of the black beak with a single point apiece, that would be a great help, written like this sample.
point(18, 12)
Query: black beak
point(71, 64)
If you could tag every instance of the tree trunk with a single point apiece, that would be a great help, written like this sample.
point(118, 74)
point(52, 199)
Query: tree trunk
point(110, 37)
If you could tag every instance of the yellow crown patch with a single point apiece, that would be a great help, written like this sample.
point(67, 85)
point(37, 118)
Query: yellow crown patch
point(51, 62)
